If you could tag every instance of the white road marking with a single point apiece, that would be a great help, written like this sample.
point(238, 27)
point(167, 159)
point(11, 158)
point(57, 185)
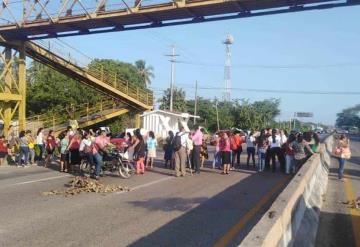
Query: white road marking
point(39, 180)
point(147, 184)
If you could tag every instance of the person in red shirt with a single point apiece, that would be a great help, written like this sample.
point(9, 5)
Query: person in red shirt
point(225, 151)
point(3, 149)
point(74, 147)
point(236, 148)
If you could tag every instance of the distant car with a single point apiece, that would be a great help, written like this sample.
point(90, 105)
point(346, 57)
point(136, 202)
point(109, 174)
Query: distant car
point(341, 131)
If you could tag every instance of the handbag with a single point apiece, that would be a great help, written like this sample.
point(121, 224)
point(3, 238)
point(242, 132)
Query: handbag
point(346, 153)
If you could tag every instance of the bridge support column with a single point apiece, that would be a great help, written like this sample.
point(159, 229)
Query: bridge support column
point(13, 87)
point(137, 121)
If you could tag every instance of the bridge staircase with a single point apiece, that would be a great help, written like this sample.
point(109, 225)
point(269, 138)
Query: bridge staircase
point(132, 97)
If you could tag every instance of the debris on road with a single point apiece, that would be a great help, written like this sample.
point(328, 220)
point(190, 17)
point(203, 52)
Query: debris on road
point(353, 203)
point(86, 185)
point(271, 214)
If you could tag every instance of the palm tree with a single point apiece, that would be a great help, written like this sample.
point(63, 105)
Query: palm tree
point(146, 72)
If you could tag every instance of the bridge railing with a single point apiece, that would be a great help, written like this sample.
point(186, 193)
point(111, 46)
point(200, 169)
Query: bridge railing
point(111, 78)
point(81, 113)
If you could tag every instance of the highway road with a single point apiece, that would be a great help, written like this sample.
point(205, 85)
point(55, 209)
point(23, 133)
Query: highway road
point(160, 210)
point(339, 222)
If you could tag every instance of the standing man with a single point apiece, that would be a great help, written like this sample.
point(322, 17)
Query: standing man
point(197, 139)
point(179, 145)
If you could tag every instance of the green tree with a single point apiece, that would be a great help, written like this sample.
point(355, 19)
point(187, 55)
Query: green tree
point(179, 102)
point(206, 110)
point(146, 72)
point(349, 117)
point(241, 113)
point(114, 68)
point(49, 90)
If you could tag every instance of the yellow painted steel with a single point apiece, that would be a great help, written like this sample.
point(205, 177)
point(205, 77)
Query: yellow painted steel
point(104, 117)
point(7, 90)
point(13, 87)
point(22, 87)
point(137, 121)
point(101, 80)
point(85, 114)
point(13, 95)
point(10, 97)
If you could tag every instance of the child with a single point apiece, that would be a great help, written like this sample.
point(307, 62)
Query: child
point(151, 147)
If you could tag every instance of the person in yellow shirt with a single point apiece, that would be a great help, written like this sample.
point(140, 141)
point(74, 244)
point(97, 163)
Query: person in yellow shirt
point(31, 142)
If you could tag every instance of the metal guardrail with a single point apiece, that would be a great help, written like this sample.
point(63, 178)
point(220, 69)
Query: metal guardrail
point(111, 78)
point(84, 112)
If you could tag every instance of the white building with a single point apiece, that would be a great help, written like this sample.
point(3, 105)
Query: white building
point(161, 122)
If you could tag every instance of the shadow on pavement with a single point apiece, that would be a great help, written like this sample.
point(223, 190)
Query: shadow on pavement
point(206, 223)
point(335, 229)
point(169, 204)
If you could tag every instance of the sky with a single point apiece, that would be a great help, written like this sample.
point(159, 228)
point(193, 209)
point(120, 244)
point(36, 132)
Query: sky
point(307, 51)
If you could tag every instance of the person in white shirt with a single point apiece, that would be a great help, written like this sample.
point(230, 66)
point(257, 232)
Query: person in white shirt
point(179, 145)
point(250, 144)
point(40, 144)
point(275, 143)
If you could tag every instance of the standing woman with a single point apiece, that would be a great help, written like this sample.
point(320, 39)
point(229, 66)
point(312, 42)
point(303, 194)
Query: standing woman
point(74, 147)
point(3, 149)
point(289, 154)
point(139, 152)
point(262, 146)
point(64, 151)
point(31, 141)
point(250, 143)
point(168, 148)
point(50, 147)
point(151, 147)
point(342, 153)
point(224, 146)
point(316, 142)
point(24, 148)
point(40, 144)
point(301, 148)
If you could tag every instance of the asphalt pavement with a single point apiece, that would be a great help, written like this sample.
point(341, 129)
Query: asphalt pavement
point(160, 209)
point(340, 223)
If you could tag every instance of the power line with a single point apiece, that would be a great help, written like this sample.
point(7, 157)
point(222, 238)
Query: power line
point(314, 92)
point(264, 66)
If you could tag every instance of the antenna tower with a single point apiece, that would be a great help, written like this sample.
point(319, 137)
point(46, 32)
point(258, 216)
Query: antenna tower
point(227, 69)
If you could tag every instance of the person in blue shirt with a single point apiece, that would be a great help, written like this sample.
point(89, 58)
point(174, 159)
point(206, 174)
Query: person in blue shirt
point(151, 149)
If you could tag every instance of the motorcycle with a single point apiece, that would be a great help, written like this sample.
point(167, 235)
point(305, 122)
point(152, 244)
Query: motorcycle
point(113, 162)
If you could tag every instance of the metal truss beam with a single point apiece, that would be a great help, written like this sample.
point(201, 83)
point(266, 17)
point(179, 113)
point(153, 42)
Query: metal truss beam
point(102, 20)
point(13, 86)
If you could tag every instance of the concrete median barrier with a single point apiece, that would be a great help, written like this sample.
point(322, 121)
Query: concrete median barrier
point(293, 218)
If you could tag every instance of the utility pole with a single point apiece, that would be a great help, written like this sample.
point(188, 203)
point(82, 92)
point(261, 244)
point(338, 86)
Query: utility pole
point(196, 101)
point(172, 83)
point(217, 115)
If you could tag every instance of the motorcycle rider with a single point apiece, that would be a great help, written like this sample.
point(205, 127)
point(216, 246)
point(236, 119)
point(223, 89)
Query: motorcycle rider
point(99, 151)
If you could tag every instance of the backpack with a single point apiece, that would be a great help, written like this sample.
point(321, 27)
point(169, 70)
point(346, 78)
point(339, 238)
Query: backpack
point(177, 142)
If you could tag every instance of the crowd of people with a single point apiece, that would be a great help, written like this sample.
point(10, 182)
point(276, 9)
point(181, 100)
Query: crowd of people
point(182, 150)
point(263, 150)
